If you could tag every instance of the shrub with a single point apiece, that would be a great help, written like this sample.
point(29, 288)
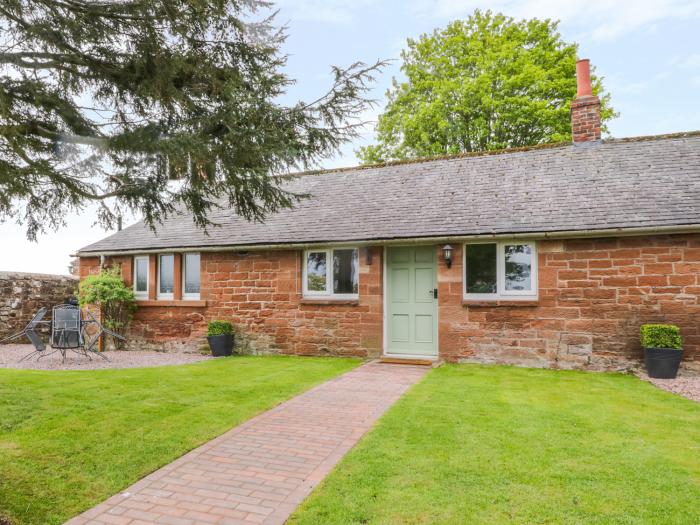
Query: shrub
point(219, 328)
point(115, 300)
point(661, 336)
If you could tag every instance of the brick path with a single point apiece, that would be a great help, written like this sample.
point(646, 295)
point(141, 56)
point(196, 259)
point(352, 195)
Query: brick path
point(261, 470)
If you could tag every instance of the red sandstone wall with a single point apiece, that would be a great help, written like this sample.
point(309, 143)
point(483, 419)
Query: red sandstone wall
point(260, 292)
point(593, 296)
point(88, 266)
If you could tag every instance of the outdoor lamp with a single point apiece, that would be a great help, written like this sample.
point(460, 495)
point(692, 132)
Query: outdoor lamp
point(447, 255)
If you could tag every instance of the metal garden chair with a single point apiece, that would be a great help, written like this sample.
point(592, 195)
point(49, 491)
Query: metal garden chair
point(66, 330)
point(69, 331)
point(91, 342)
point(30, 332)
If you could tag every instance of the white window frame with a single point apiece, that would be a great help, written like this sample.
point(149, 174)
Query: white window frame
point(137, 294)
point(328, 293)
point(159, 295)
point(191, 296)
point(501, 293)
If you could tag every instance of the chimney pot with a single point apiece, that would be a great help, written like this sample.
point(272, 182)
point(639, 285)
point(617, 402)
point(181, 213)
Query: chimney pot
point(583, 78)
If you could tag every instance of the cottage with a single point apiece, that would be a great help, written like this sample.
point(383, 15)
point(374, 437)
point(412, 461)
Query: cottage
point(546, 256)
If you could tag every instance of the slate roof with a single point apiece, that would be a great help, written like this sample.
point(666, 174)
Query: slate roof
point(614, 184)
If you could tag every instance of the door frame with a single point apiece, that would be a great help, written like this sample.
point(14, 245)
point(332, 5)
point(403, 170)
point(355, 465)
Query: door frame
point(385, 308)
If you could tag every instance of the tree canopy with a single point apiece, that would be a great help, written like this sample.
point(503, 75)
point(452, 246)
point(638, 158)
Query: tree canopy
point(150, 106)
point(484, 83)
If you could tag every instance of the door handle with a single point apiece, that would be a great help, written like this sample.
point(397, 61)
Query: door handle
point(433, 292)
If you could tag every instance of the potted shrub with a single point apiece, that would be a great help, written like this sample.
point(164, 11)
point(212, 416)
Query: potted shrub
point(662, 345)
point(221, 338)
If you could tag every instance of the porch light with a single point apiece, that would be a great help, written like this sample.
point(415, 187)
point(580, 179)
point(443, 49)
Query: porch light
point(447, 255)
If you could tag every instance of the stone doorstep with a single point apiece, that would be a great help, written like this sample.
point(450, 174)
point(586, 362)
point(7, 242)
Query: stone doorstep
point(434, 363)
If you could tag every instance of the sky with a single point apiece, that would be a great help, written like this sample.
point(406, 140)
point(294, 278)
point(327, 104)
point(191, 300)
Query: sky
point(648, 52)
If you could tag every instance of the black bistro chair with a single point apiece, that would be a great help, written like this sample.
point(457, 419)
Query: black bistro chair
point(66, 329)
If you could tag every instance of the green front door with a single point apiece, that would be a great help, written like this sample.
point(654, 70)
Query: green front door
point(411, 283)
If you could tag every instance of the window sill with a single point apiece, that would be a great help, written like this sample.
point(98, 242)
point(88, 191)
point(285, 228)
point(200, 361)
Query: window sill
point(310, 300)
point(171, 302)
point(475, 303)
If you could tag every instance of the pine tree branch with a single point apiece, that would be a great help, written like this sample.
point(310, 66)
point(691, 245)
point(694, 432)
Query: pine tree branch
point(182, 90)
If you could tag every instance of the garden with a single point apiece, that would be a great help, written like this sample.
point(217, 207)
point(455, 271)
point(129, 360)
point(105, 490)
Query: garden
point(495, 444)
point(70, 439)
point(468, 444)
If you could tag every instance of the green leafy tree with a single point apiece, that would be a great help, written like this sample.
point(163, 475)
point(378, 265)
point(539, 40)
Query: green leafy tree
point(114, 299)
point(153, 106)
point(488, 82)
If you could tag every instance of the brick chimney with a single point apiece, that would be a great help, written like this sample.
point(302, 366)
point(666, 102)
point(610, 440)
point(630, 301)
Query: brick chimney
point(585, 108)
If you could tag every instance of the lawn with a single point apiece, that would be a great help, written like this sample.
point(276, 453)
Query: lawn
point(486, 445)
point(68, 440)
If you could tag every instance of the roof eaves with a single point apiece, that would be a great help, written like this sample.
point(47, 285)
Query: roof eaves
point(539, 234)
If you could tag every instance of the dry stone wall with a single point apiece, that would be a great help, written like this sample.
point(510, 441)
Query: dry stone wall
point(22, 294)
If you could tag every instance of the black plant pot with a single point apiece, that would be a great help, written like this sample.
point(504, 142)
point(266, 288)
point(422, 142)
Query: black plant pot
point(221, 345)
point(662, 363)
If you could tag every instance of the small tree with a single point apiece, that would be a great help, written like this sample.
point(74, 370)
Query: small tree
point(115, 300)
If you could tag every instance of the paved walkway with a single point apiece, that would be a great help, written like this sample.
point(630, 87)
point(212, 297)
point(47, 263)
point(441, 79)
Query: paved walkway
point(261, 470)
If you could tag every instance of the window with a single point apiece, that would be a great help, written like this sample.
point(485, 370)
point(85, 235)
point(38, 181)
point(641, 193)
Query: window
point(190, 276)
point(141, 277)
point(495, 270)
point(166, 276)
point(332, 273)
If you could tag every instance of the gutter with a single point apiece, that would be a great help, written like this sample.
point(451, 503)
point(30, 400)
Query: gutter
point(570, 234)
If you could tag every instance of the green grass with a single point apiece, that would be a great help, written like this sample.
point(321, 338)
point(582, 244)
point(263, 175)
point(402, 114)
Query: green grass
point(68, 440)
point(488, 445)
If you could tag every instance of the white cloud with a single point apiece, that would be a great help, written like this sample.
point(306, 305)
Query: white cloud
point(632, 88)
point(326, 11)
point(689, 62)
point(598, 19)
point(51, 252)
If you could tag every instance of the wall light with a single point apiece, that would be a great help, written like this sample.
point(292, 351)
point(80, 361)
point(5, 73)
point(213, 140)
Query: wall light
point(447, 255)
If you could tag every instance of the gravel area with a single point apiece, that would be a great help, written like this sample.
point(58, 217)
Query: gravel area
point(686, 386)
point(11, 354)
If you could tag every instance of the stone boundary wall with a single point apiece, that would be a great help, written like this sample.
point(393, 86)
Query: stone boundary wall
point(22, 294)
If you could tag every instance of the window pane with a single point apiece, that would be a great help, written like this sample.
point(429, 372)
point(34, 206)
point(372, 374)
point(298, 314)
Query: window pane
point(166, 274)
point(345, 271)
point(141, 275)
point(518, 259)
point(191, 273)
point(481, 268)
point(316, 272)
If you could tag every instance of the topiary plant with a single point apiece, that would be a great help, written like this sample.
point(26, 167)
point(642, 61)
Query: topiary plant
point(112, 296)
point(219, 328)
point(661, 336)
